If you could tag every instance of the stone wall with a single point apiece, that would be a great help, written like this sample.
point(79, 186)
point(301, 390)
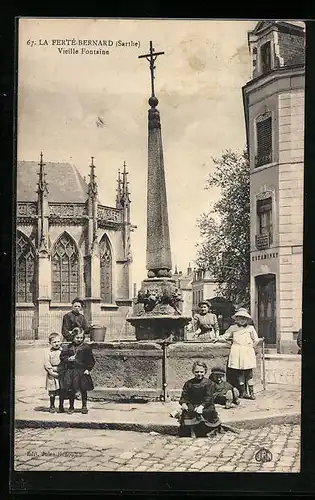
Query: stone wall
point(291, 176)
point(283, 369)
point(292, 48)
point(132, 370)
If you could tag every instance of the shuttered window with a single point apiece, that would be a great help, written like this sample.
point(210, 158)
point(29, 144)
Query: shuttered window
point(264, 212)
point(265, 56)
point(264, 141)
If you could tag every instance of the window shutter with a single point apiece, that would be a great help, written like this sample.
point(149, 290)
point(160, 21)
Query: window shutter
point(265, 53)
point(264, 141)
point(264, 205)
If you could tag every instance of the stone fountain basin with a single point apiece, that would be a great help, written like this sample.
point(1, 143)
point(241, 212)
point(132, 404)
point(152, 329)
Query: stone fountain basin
point(159, 327)
point(131, 370)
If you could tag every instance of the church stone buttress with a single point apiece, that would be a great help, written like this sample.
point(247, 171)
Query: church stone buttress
point(92, 257)
point(44, 274)
point(125, 258)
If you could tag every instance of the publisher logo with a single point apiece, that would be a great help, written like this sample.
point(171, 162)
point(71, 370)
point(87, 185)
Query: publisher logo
point(263, 455)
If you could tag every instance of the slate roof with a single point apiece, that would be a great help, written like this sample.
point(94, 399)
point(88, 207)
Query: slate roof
point(65, 183)
point(294, 25)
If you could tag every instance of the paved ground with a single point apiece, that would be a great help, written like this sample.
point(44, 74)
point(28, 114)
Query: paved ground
point(94, 447)
point(99, 450)
point(278, 404)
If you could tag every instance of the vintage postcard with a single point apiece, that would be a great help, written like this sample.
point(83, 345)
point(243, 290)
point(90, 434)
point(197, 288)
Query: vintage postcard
point(159, 245)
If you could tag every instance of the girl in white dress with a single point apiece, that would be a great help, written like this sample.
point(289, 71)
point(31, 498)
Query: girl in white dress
point(242, 357)
point(51, 364)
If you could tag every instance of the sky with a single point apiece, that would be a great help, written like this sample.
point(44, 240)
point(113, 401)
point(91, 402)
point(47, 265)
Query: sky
point(199, 86)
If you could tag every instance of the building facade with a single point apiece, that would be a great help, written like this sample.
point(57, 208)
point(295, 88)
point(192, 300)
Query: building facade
point(184, 283)
point(274, 115)
point(204, 287)
point(70, 245)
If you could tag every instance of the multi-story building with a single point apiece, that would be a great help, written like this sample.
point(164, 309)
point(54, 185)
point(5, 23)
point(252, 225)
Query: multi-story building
point(274, 115)
point(184, 283)
point(203, 287)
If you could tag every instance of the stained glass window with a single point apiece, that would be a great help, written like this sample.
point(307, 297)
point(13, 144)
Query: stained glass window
point(106, 271)
point(65, 270)
point(25, 269)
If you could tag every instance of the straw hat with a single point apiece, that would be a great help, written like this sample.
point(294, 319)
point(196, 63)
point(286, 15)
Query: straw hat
point(242, 313)
point(204, 302)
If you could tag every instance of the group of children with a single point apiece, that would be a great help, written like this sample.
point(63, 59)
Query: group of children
point(68, 370)
point(198, 416)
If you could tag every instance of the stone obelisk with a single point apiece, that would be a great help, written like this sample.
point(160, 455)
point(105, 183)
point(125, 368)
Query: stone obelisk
point(157, 314)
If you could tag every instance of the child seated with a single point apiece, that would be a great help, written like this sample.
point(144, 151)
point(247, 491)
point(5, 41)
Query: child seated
point(198, 417)
point(224, 393)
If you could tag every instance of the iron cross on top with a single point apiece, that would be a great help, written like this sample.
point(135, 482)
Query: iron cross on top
point(152, 58)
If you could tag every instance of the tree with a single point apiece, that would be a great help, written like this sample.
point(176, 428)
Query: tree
point(224, 249)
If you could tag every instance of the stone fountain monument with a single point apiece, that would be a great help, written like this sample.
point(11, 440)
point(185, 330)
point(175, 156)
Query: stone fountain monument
point(157, 363)
point(157, 315)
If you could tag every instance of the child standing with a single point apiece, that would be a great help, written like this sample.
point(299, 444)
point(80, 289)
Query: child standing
point(242, 358)
point(51, 362)
point(77, 360)
point(199, 416)
point(224, 393)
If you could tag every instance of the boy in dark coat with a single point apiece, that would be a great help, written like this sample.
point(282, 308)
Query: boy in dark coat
point(74, 319)
point(223, 392)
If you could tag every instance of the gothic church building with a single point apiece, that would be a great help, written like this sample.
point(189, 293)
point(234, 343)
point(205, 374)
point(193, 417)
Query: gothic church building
point(69, 244)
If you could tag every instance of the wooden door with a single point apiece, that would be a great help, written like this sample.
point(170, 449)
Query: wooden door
point(266, 289)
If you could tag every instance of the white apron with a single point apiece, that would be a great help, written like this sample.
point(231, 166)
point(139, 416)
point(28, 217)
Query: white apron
point(242, 354)
point(51, 361)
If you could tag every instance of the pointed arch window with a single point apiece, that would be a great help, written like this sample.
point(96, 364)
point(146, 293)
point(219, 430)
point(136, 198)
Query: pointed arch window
point(65, 270)
point(25, 269)
point(106, 264)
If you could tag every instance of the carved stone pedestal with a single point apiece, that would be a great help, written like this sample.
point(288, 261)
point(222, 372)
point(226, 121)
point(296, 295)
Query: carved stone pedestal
point(157, 315)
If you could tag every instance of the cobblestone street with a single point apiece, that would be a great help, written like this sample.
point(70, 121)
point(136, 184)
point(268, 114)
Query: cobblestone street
point(103, 450)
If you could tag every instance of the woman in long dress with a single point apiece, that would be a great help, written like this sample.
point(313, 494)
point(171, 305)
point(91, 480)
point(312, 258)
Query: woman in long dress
point(205, 323)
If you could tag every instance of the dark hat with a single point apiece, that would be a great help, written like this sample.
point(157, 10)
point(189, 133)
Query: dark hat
point(77, 299)
point(204, 302)
point(218, 369)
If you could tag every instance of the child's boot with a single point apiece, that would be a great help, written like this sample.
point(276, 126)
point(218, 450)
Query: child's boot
point(236, 395)
point(229, 400)
point(61, 400)
point(71, 404)
point(84, 402)
point(251, 392)
point(52, 408)
point(242, 391)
